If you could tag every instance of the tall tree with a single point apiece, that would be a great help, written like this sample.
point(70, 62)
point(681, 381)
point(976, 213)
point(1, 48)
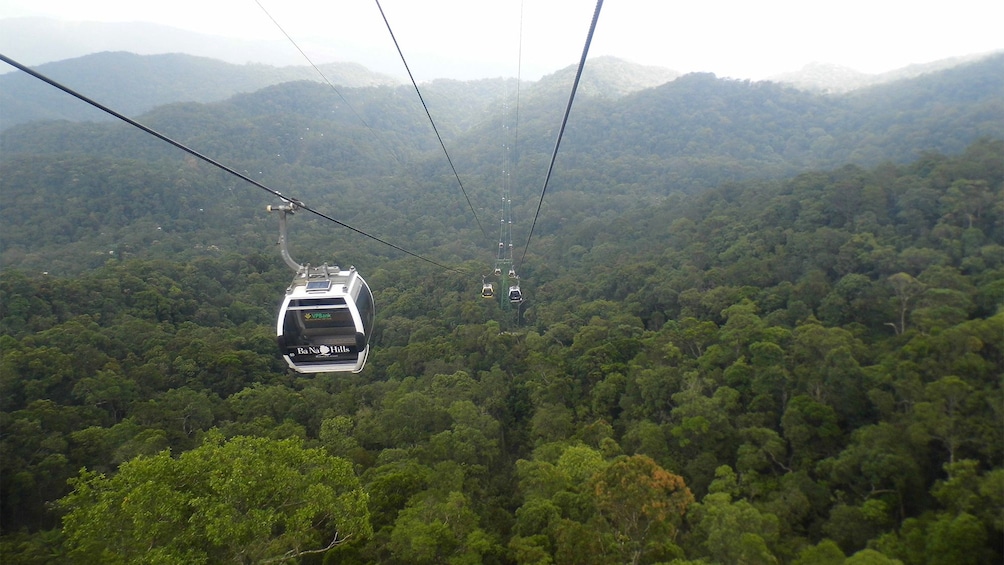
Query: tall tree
point(642, 503)
point(245, 500)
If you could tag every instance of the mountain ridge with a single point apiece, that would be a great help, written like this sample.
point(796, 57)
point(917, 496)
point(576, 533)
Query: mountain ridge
point(375, 150)
point(831, 78)
point(132, 84)
point(43, 40)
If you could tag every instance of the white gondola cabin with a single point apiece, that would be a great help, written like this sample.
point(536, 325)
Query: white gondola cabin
point(515, 296)
point(325, 321)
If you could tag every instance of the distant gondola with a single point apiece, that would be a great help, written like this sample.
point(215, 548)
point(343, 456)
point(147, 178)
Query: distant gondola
point(487, 290)
point(515, 296)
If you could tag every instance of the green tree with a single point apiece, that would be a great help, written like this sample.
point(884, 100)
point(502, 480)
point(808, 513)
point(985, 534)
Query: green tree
point(957, 540)
point(438, 528)
point(336, 436)
point(852, 526)
point(826, 552)
point(732, 532)
point(906, 289)
point(966, 201)
point(871, 557)
point(876, 463)
point(704, 429)
point(243, 500)
point(942, 417)
point(826, 365)
point(811, 429)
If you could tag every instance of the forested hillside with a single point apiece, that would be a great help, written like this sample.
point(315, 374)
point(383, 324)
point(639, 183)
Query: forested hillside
point(761, 326)
point(774, 372)
point(134, 84)
point(372, 155)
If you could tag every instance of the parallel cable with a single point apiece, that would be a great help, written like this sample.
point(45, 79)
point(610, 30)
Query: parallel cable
point(509, 142)
point(325, 79)
point(211, 161)
point(519, 77)
point(564, 121)
point(431, 121)
point(515, 138)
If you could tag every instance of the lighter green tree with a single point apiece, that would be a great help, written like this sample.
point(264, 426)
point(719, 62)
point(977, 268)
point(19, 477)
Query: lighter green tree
point(244, 500)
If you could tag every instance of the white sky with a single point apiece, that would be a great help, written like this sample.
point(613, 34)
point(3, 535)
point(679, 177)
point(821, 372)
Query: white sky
point(481, 38)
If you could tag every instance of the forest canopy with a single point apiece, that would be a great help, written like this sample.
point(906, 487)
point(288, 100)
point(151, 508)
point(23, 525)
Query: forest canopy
point(780, 371)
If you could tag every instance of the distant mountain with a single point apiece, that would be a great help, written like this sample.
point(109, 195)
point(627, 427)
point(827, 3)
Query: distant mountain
point(825, 77)
point(33, 41)
point(830, 78)
point(607, 77)
point(699, 130)
point(132, 84)
point(373, 153)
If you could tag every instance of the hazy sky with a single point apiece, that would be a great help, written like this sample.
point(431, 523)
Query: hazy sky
point(481, 38)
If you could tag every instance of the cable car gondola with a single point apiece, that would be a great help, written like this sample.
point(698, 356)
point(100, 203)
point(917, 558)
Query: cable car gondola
point(325, 321)
point(487, 289)
point(326, 318)
point(515, 296)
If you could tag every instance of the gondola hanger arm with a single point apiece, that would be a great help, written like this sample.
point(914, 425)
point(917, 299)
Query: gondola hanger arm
point(288, 208)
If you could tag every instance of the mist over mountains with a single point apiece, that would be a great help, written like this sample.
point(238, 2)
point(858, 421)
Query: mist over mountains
point(622, 111)
point(831, 78)
point(637, 135)
point(42, 40)
point(132, 84)
point(35, 41)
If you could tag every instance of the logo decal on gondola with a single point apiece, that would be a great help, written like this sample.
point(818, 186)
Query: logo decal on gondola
point(317, 316)
point(322, 350)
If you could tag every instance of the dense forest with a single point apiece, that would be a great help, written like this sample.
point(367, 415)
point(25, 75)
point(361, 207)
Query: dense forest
point(772, 369)
point(374, 162)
